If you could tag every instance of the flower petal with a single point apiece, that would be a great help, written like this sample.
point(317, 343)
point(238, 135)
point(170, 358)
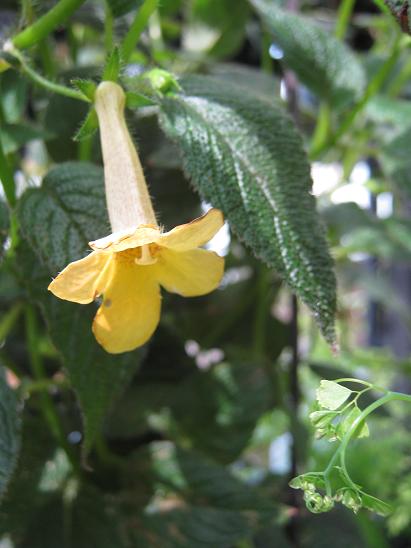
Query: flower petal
point(131, 309)
point(189, 273)
point(194, 234)
point(126, 239)
point(82, 281)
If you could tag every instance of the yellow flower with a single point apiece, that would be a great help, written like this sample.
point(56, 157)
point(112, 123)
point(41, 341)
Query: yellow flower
point(129, 266)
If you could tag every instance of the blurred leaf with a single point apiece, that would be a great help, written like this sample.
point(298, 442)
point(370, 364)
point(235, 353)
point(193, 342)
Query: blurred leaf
point(332, 395)
point(23, 496)
point(226, 21)
point(323, 63)
point(246, 158)
point(10, 409)
point(4, 224)
point(388, 111)
point(82, 522)
point(216, 509)
point(218, 409)
point(58, 219)
point(14, 136)
point(396, 160)
point(13, 96)
point(253, 80)
point(121, 7)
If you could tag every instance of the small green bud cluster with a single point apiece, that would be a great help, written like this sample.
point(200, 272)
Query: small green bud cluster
point(315, 501)
point(337, 417)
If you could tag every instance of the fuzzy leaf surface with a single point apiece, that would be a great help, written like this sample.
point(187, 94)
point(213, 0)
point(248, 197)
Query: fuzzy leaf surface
point(244, 155)
point(323, 63)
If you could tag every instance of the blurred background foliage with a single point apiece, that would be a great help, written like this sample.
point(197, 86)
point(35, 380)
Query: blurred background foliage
point(191, 441)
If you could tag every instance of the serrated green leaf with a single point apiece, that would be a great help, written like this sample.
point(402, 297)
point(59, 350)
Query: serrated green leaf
point(121, 7)
point(244, 156)
point(57, 220)
point(323, 63)
point(112, 67)
point(10, 424)
point(88, 127)
point(347, 422)
point(331, 395)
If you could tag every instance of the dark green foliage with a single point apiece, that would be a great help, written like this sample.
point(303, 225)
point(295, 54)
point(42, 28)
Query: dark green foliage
point(121, 7)
point(244, 156)
point(321, 62)
point(10, 409)
point(4, 224)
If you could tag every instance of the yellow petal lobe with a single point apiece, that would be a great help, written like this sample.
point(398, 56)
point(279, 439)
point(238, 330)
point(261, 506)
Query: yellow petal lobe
point(131, 308)
point(82, 281)
point(194, 234)
point(189, 273)
point(126, 239)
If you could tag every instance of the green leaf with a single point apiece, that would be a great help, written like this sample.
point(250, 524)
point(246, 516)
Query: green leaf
point(121, 7)
point(347, 422)
point(23, 496)
point(321, 62)
point(376, 505)
point(58, 219)
point(331, 394)
point(225, 21)
point(10, 409)
point(244, 156)
point(88, 127)
point(85, 519)
point(86, 87)
point(14, 136)
point(219, 509)
point(112, 67)
point(4, 225)
point(13, 96)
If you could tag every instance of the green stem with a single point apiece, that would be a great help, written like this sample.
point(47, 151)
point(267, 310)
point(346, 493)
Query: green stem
point(7, 178)
point(48, 22)
point(373, 87)
point(47, 58)
point(108, 28)
point(343, 18)
point(133, 35)
point(340, 452)
point(322, 128)
point(48, 84)
point(9, 320)
point(46, 403)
